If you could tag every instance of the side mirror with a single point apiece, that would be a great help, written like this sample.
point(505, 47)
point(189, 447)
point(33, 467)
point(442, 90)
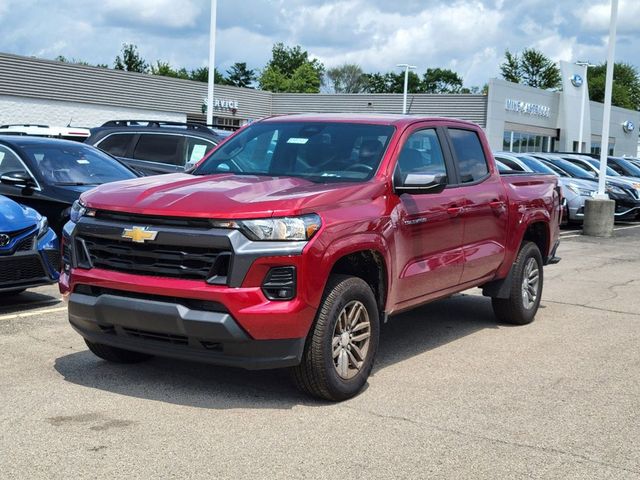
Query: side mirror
point(18, 178)
point(417, 183)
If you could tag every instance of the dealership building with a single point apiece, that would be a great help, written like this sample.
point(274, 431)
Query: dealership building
point(515, 117)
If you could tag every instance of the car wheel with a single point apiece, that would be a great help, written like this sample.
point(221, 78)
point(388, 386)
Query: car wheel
point(343, 342)
point(526, 288)
point(116, 355)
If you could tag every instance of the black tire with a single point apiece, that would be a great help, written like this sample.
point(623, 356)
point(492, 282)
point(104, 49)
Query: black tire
point(317, 375)
point(116, 355)
point(513, 310)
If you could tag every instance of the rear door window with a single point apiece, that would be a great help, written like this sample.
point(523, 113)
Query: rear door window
point(117, 144)
point(469, 155)
point(196, 148)
point(160, 148)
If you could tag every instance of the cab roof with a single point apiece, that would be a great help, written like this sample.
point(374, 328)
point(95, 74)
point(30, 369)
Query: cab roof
point(370, 118)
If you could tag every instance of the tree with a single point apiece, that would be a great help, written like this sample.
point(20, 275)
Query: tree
point(441, 80)
point(392, 82)
point(240, 76)
point(278, 74)
point(626, 85)
point(532, 68)
point(346, 78)
point(202, 75)
point(164, 69)
point(131, 60)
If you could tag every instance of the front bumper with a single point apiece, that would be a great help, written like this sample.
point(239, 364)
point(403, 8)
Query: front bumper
point(166, 327)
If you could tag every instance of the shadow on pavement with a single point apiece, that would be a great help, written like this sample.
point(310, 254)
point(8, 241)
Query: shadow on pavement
point(205, 386)
point(25, 301)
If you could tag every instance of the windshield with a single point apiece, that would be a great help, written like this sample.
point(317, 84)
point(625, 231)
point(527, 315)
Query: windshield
point(573, 170)
point(68, 164)
point(318, 151)
point(630, 169)
point(596, 164)
point(536, 165)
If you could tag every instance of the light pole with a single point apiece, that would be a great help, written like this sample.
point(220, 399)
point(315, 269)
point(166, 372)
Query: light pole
point(406, 67)
point(212, 58)
point(599, 211)
point(585, 87)
point(608, 86)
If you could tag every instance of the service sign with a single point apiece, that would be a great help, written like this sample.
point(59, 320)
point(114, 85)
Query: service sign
point(220, 104)
point(527, 108)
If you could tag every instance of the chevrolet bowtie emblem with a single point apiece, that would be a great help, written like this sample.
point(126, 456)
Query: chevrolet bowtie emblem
point(139, 234)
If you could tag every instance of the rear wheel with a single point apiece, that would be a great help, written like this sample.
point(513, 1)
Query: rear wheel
point(342, 345)
point(116, 355)
point(526, 288)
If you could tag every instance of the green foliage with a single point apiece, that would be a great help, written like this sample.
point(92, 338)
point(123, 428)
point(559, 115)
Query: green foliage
point(441, 80)
point(164, 69)
point(625, 91)
point(392, 82)
point(532, 68)
point(291, 70)
point(131, 61)
point(346, 78)
point(240, 76)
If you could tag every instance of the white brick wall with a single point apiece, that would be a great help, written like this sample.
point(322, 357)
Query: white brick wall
point(57, 113)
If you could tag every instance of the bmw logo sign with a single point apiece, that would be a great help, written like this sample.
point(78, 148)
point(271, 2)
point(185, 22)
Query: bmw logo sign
point(628, 126)
point(4, 239)
point(577, 80)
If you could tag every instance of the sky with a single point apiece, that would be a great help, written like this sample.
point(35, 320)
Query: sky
point(468, 36)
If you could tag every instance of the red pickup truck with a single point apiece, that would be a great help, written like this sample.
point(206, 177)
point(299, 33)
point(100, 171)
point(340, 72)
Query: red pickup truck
point(291, 242)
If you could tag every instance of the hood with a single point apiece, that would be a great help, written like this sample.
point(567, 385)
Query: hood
point(14, 216)
point(226, 196)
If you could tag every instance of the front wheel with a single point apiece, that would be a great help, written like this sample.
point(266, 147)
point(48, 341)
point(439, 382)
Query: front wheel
point(526, 288)
point(340, 350)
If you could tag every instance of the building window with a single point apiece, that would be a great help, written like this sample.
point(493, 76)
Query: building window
point(596, 147)
point(523, 142)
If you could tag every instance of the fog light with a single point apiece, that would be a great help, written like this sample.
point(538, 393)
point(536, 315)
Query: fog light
point(280, 283)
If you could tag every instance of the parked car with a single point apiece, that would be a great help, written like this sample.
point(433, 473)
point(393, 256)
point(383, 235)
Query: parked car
point(65, 133)
point(49, 174)
point(593, 165)
point(29, 254)
point(574, 190)
point(293, 256)
point(624, 166)
point(155, 147)
point(627, 197)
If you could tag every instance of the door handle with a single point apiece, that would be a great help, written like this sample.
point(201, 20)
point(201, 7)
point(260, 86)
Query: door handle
point(496, 204)
point(455, 211)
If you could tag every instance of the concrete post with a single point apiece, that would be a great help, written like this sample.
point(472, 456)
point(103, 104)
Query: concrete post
point(598, 217)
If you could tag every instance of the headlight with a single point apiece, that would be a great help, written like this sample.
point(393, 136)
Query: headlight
point(278, 229)
point(43, 226)
point(583, 192)
point(78, 210)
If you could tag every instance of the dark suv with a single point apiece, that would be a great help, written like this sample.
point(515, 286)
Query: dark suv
point(154, 147)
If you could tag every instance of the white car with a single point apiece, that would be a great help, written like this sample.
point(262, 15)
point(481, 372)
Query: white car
point(66, 133)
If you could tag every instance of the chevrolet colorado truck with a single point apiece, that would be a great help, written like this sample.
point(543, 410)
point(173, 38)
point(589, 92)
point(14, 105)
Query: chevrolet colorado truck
point(295, 238)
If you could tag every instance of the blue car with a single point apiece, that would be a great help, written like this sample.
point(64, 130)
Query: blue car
point(29, 253)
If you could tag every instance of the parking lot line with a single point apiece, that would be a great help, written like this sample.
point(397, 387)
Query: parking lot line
point(615, 230)
point(32, 314)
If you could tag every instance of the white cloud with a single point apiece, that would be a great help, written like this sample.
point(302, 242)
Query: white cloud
point(597, 17)
point(157, 13)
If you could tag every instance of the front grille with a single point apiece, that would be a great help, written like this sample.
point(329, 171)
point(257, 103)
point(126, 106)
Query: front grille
point(26, 244)
point(130, 218)
point(20, 269)
point(161, 337)
point(187, 262)
point(53, 256)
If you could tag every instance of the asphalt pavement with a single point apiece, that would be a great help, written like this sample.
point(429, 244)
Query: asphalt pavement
point(453, 394)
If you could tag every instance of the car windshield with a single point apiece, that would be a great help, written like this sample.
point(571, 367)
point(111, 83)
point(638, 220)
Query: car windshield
point(630, 168)
point(68, 164)
point(536, 165)
point(318, 151)
point(596, 164)
point(573, 170)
